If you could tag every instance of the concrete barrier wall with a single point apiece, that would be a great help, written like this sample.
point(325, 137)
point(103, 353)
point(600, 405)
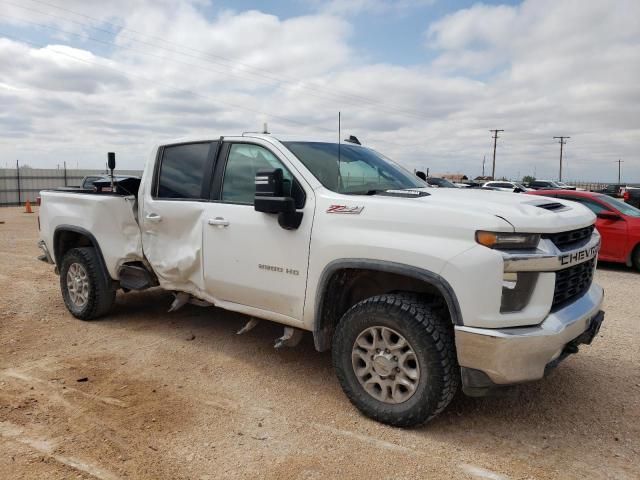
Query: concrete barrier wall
point(18, 186)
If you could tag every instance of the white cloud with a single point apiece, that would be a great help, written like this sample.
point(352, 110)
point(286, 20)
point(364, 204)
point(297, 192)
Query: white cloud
point(537, 70)
point(342, 7)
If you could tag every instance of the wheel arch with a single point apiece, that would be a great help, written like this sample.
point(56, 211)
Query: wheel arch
point(344, 282)
point(66, 237)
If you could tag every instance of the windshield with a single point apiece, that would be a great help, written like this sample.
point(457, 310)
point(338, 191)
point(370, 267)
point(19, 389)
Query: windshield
point(441, 182)
point(356, 171)
point(619, 205)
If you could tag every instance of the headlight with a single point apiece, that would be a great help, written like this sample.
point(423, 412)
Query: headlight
point(507, 240)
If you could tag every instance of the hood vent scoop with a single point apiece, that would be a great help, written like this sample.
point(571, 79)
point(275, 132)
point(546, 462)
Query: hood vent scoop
point(553, 206)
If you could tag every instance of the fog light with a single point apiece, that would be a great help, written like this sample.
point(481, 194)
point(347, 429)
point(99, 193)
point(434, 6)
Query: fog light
point(517, 289)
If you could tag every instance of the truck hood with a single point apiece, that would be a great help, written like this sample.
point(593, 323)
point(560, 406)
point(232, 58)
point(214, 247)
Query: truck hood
point(527, 213)
point(469, 210)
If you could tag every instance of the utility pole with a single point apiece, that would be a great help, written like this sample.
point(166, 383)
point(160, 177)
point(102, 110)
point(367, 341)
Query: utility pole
point(495, 141)
point(483, 159)
point(561, 141)
point(619, 162)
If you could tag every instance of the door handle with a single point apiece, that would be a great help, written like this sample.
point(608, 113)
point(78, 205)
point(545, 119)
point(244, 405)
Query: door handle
point(153, 217)
point(219, 222)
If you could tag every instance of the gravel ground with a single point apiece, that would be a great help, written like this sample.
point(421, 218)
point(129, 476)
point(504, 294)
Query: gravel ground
point(181, 396)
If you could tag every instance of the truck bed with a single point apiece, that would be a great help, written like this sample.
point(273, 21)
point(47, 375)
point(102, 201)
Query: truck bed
point(110, 218)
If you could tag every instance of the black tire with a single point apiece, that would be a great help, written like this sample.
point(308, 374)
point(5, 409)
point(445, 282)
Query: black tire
point(635, 258)
point(100, 293)
point(426, 327)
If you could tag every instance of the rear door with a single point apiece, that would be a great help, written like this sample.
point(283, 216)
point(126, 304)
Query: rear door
point(172, 213)
point(249, 259)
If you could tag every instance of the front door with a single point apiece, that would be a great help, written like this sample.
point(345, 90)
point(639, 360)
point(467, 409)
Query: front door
point(171, 217)
point(249, 259)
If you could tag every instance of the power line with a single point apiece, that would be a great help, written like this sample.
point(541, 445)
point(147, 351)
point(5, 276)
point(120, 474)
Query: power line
point(562, 142)
point(495, 141)
point(356, 100)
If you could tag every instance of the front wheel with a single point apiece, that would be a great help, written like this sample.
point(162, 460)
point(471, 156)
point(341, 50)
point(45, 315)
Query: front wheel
point(86, 292)
point(395, 358)
point(635, 258)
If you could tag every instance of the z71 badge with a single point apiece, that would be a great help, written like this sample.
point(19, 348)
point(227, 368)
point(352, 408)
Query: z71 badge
point(344, 209)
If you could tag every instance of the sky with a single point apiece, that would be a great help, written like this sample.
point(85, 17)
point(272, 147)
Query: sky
point(421, 81)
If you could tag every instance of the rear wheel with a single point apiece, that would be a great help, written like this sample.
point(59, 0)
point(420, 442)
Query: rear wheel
point(394, 356)
point(86, 292)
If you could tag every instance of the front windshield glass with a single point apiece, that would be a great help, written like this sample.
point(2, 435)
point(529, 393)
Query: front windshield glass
point(441, 182)
point(619, 205)
point(356, 171)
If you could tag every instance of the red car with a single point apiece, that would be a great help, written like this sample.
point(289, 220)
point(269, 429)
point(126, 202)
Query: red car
point(617, 222)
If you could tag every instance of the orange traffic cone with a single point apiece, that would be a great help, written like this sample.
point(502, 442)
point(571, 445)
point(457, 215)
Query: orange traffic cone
point(27, 207)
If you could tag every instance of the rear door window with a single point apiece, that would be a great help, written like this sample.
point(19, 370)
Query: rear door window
point(183, 170)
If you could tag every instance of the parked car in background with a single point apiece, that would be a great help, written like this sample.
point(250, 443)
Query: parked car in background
point(617, 222)
point(440, 182)
point(544, 185)
point(629, 193)
point(505, 186)
point(564, 186)
point(631, 196)
point(463, 185)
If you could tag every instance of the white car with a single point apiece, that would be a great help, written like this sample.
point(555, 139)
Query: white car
point(505, 186)
point(416, 291)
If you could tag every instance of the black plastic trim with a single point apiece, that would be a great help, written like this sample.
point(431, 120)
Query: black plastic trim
point(382, 266)
point(72, 228)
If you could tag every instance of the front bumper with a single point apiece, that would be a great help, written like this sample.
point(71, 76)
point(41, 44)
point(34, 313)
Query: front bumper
point(496, 357)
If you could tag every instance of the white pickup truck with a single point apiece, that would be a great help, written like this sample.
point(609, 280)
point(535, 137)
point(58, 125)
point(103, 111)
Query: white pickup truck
point(416, 290)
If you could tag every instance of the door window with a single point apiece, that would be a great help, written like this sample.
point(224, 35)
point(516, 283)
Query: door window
point(182, 171)
point(239, 186)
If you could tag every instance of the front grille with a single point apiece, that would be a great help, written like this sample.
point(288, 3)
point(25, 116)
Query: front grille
point(572, 283)
point(568, 239)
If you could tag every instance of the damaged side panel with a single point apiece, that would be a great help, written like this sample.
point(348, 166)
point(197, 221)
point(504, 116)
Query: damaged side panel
point(110, 219)
point(172, 239)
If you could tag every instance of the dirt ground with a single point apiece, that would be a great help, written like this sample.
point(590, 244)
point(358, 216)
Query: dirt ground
point(180, 395)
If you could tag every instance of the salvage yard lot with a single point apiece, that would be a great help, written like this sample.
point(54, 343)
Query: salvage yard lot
point(180, 395)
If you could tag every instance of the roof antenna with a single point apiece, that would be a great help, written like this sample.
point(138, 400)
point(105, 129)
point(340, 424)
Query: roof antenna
point(264, 128)
point(339, 137)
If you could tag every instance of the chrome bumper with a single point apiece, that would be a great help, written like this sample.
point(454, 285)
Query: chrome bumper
point(46, 256)
point(520, 354)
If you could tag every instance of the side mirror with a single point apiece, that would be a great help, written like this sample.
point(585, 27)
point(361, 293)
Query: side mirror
point(518, 190)
point(269, 198)
point(421, 175)
point(609, 215)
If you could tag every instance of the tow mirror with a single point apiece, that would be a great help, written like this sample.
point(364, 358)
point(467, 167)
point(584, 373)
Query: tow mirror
point(269, 198)
point(609, 215)
point(111, 160)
